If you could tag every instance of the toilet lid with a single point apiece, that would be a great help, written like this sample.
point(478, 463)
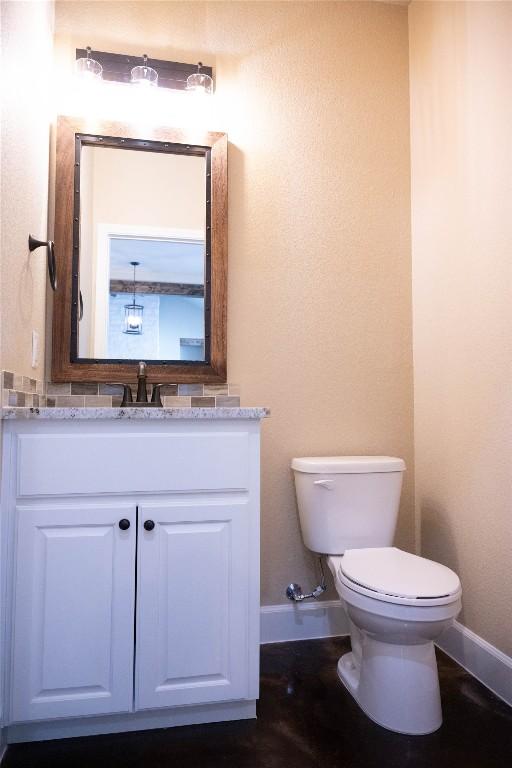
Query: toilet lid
point(391, 571)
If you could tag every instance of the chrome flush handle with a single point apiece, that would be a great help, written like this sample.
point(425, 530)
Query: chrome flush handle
point(327, 484)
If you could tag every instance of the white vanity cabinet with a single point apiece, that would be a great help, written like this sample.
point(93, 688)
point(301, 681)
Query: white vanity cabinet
point(74, 598)
point(132, 573)
point(193, 585)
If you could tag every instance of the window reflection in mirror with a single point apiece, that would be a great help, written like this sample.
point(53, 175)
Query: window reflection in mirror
point(142, 255)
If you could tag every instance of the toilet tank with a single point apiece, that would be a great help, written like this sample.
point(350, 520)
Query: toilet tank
point(348, 502)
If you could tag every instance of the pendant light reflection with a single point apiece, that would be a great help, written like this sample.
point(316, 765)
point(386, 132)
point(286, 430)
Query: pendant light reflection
point(199, 82)
point(88, 69)
point(133, 312)
point(144, 75)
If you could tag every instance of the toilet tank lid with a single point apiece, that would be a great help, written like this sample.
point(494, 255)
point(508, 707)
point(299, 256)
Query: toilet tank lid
point(348, 464)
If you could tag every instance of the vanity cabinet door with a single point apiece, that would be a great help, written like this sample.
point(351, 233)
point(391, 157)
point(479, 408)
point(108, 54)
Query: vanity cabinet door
point(193, 607)
point(73, 611)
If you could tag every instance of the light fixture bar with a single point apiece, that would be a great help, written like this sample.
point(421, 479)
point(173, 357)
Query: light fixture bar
point(117, 67)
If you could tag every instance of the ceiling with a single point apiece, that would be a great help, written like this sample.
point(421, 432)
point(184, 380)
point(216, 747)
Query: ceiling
point(167, 261)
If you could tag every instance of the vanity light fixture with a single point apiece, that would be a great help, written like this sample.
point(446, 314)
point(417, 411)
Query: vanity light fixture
point(199, 81)
point(87, 68)
point(124, 68)
point(133, 312)
point(143, 74)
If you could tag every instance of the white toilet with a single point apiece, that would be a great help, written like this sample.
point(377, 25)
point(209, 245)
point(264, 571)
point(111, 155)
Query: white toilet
point(397, 603)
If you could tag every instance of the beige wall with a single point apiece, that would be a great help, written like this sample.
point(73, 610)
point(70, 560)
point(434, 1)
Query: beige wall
point(315, 101)
point(461, 120)
point(147, 189)
point(26, 66)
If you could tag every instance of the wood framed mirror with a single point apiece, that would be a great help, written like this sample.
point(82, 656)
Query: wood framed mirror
point(141, 249)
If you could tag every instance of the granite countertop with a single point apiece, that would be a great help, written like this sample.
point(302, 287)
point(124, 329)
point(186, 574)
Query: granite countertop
point(134, 413)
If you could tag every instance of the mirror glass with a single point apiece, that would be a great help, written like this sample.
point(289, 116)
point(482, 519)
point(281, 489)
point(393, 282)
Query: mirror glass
point(142, 255)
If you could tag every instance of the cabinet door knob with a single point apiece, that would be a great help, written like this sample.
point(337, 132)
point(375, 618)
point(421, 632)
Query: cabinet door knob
point(124, 524)
point(149, 525)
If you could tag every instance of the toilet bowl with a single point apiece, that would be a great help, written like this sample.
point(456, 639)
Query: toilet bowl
point(397, 603)
point(392, 670)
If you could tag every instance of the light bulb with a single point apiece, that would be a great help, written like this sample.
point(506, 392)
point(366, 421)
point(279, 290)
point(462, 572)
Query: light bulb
point(88, 69)
point(200, 82)
point(144, 75)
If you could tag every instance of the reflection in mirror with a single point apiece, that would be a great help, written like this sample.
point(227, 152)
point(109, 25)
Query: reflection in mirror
point(142, 255)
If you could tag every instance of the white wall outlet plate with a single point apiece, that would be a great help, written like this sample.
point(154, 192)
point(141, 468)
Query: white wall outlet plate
point(35, 349)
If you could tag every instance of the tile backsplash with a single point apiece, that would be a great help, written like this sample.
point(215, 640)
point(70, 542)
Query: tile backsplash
point(19, 391)
point(22, 391)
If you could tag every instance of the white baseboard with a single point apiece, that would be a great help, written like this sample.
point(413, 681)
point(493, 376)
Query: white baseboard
point(481, 659)
point(302, 621)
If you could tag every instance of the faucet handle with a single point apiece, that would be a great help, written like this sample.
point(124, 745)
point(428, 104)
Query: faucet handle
point(155, 395)
point(127, 392)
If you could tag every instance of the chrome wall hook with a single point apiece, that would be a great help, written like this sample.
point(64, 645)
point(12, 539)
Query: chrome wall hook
point(34, 243)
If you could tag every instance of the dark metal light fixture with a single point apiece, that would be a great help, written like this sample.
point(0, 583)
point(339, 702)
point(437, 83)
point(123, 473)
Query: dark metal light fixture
point(118, 68)
point(133, 312)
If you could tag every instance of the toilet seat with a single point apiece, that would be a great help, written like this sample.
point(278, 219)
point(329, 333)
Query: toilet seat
point(391, 575)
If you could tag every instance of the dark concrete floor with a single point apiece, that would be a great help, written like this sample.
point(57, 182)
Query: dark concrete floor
point(306, 719)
